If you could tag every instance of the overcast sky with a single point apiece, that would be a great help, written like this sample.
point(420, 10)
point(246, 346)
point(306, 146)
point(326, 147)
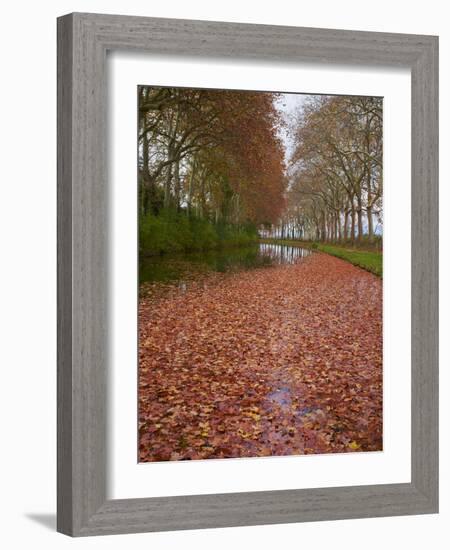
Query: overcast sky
point(288, 105)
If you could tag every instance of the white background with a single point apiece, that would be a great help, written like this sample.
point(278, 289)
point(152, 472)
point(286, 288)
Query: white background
point(131, 480)
point(28, 300)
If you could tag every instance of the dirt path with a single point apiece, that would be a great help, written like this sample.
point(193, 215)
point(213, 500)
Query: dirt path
point(273, 361)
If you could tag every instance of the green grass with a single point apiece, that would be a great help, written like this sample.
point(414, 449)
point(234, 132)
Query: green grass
point(368, 260)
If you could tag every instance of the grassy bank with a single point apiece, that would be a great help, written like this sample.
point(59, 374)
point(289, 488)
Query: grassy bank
point(172, 231)
point(368, 260)
point(371, 261)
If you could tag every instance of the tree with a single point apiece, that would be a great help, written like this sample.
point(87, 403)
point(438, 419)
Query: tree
point(215, 153)
point(335, 179)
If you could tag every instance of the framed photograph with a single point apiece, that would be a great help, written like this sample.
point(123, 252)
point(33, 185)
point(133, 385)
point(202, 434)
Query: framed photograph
point(247, 274)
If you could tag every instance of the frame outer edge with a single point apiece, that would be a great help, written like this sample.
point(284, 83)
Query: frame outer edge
point(82, 279)
point(82, 268)
point(64, 275)
point(260, 508)
point(90, 267)
point(425, 273)
point(285, 44)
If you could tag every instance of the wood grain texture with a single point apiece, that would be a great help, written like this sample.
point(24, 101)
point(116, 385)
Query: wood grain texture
point(64, 329)
point(83, 40)
point(424, 277)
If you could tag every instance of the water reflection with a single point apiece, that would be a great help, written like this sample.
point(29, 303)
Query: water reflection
point(184, 267)
point(282, 254)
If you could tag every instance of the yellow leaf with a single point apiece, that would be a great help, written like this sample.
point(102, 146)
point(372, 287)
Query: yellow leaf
point(243, 434)
point(253, 415)
point(353, 445)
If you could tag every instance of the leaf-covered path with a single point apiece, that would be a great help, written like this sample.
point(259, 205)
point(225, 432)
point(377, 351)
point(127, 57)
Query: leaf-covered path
point(272, 361)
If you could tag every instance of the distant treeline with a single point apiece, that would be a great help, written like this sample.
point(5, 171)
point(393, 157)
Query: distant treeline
point(335, 172)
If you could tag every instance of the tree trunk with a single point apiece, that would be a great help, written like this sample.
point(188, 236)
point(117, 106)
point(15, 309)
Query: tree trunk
point(146, 190)
point(177, 185)
point(370, 223)
point(360, 220)
point(352, 231)
point(190, 188)
point(167, 186)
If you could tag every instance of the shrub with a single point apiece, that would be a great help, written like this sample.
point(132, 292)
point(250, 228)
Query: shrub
point(172, 231)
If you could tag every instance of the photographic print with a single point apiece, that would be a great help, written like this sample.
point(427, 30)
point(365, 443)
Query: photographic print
point(260, 274)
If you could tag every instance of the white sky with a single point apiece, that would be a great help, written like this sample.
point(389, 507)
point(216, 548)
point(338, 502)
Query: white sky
point(288, 105)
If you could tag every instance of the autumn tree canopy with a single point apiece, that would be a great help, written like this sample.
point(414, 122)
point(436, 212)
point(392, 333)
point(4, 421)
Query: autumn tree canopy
point(212, 153)
point(335, 173)
point(218, 156)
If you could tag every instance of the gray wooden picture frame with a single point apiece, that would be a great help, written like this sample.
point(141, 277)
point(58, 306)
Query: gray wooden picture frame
point(83, 41)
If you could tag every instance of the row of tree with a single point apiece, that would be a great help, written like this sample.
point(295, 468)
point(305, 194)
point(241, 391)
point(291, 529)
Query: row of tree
point(335, 173)
point(211, 154)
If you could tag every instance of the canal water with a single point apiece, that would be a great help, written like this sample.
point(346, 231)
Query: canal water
point(174, 267)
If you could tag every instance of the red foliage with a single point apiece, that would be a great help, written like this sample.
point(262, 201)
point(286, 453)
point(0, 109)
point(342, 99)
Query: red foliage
point(275, 361)
point(244, 127)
